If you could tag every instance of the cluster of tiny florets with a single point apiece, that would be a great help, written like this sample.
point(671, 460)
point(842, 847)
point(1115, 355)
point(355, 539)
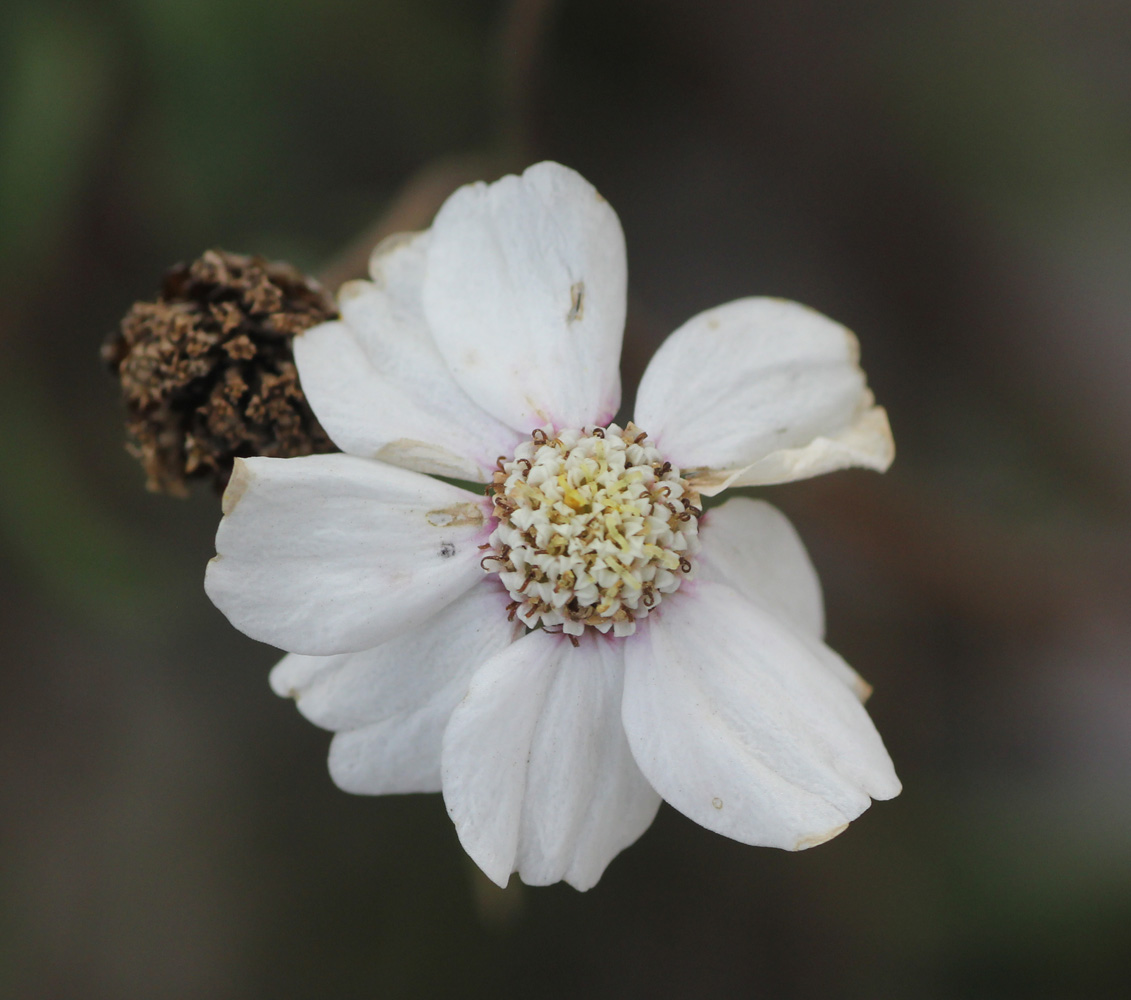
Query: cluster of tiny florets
point(594, 527)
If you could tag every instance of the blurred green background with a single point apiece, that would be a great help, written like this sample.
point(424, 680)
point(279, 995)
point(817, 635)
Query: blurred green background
point(950, 179)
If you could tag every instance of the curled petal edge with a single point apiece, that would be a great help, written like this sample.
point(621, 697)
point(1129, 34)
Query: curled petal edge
point(865, 443)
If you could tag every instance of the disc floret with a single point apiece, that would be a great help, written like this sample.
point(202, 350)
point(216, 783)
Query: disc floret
point(594, 527)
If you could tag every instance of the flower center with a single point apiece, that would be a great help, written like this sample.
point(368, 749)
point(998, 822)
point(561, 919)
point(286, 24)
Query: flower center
point(594, 528)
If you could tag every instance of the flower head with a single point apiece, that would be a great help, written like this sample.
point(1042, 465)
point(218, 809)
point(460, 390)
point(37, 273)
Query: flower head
point(562, 653)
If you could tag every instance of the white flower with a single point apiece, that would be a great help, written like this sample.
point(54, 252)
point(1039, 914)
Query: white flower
point(673, 656)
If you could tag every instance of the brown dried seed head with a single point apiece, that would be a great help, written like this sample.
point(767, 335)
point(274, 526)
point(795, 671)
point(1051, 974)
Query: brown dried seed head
point(207, 370)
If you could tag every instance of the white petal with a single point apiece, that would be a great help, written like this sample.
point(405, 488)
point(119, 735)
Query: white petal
point(391, 704)
point(525, 294)
point(391, 757)
point(751, 546)
point(296, 671)
point(353, 690)
point(761, 391)
point(865, 443)
point(739, 726)
point(538, 777)
point(378, 384)
point(331, 553)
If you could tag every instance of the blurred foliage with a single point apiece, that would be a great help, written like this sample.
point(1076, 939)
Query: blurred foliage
point(997, 107)
point(71, 549)
point(55, 88)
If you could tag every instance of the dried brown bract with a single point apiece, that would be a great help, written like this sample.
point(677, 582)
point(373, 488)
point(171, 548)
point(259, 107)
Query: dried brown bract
point(207, 370)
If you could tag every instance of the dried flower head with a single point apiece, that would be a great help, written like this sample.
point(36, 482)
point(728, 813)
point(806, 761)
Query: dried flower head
point(207, 370)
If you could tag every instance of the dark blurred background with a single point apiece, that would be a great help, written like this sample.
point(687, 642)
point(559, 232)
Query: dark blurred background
point(950, 178)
